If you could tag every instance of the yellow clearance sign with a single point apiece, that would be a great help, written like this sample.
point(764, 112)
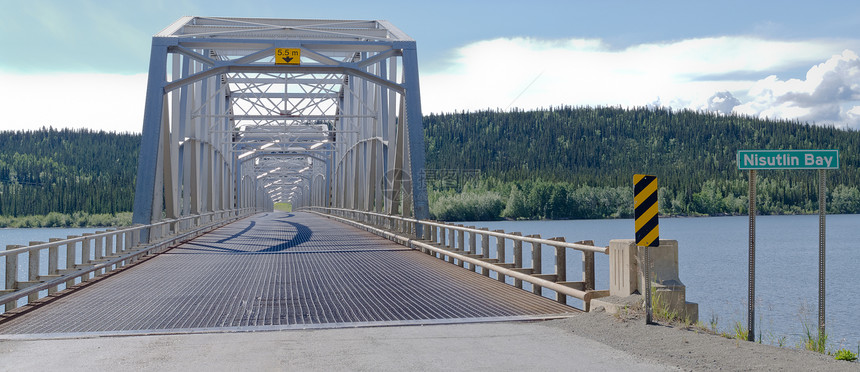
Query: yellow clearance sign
point(645, 210)
point(288, 56)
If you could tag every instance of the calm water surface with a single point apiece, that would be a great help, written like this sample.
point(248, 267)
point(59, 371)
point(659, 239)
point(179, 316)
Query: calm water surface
point(713, 263)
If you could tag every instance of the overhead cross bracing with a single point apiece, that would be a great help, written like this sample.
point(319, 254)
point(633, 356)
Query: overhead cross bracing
point(231, 121)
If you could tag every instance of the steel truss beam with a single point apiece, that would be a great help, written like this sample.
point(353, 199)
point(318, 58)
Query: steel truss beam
point(225, 127)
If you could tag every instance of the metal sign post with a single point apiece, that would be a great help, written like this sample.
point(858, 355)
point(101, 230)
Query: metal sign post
point(821, 160)
point(751, 298)
point(645, 211)
point(822, 212)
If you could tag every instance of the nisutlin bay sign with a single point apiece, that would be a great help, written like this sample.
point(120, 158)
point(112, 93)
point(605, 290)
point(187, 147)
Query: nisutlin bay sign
point(788, 159)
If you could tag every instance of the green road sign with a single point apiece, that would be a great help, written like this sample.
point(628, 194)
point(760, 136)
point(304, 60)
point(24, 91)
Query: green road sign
point(788, 159)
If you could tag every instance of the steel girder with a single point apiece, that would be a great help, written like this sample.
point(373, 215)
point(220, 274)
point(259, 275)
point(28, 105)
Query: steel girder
point(225, 127)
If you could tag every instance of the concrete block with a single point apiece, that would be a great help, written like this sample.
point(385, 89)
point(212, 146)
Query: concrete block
point(664, 263)
point(623, 268)
point(691, 311)
point(672, 295)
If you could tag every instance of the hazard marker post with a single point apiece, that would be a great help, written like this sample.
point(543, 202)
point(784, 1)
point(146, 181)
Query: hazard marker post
point(647, 227)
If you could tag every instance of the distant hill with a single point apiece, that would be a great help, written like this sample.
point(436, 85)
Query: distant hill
point(66, 171)
point(692, 154)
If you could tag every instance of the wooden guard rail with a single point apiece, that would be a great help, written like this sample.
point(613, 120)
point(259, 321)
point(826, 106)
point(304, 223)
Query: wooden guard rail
point(447, 241)
point(100, 253)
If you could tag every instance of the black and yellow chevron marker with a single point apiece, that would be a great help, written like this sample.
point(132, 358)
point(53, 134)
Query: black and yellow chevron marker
point(645, 204)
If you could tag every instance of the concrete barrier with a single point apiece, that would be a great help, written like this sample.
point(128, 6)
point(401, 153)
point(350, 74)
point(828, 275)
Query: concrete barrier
point(626, 276)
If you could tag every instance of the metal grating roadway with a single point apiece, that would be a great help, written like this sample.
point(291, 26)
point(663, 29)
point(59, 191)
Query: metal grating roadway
point(281, 269)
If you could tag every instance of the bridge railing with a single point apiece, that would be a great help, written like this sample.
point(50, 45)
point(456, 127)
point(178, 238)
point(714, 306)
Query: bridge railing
point(448, 241)
point(91, 255)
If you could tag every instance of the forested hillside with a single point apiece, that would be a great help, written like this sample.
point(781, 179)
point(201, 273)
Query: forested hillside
point(556, 163)
point(579, 162)
point(66, 171)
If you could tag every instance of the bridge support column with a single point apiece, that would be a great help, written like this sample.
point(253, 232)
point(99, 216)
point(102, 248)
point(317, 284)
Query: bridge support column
point(420, 205)
point(146, 189)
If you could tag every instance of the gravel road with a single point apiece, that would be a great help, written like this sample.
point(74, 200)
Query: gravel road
point(692, 350)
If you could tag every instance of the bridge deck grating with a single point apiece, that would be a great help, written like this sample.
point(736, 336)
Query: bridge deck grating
point(280, 269)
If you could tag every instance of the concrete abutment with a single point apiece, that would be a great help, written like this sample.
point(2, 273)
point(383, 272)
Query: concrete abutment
point(626, 276)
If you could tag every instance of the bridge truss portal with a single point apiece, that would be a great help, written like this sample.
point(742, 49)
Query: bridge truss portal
point(229, 123)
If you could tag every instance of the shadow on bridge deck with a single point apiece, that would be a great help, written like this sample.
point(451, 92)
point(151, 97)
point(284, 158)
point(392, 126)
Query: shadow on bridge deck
point(277, 271)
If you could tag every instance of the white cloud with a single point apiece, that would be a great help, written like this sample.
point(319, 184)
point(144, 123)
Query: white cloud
point(718, 74)
point(708, 73)
point(830, 94)
point(107, 102)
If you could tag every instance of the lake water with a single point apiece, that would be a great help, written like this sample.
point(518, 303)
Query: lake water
point(713, 259)
point(713, 262)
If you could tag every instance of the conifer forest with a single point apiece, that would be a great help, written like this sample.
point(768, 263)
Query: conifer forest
point(555, 163)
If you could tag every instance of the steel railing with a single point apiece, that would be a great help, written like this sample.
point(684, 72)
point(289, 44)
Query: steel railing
point(447, 241)
point(92, 255)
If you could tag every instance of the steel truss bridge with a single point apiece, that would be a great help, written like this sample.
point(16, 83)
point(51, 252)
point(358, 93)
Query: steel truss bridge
point(326, 115)
point(229, 124)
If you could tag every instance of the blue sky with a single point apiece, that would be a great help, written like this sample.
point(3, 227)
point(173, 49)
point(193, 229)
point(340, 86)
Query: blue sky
point(83, 63)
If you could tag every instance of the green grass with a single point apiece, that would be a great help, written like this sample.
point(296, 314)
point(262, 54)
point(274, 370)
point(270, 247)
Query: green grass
point(284, 207)
point(845, 354)
point(814, 340)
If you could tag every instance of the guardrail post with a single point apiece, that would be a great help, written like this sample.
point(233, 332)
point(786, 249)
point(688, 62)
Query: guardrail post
point(500, 253)
point(587, 266)
point(53, 261)
point(485, 250)
point(427, 231)
point(33, 266)
point(86, 247)
point(452, 245)
point(99, 246)
point(54, 256)
point(110, 244)
point(461, 244)
point(560, 268)
point(135, 238)
point(442, 242)
point(126, 240)
point(71, 252)
point(12, 275)
point(472, 248)
point(440, 233)
point(537, 265)
point(518, 258)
